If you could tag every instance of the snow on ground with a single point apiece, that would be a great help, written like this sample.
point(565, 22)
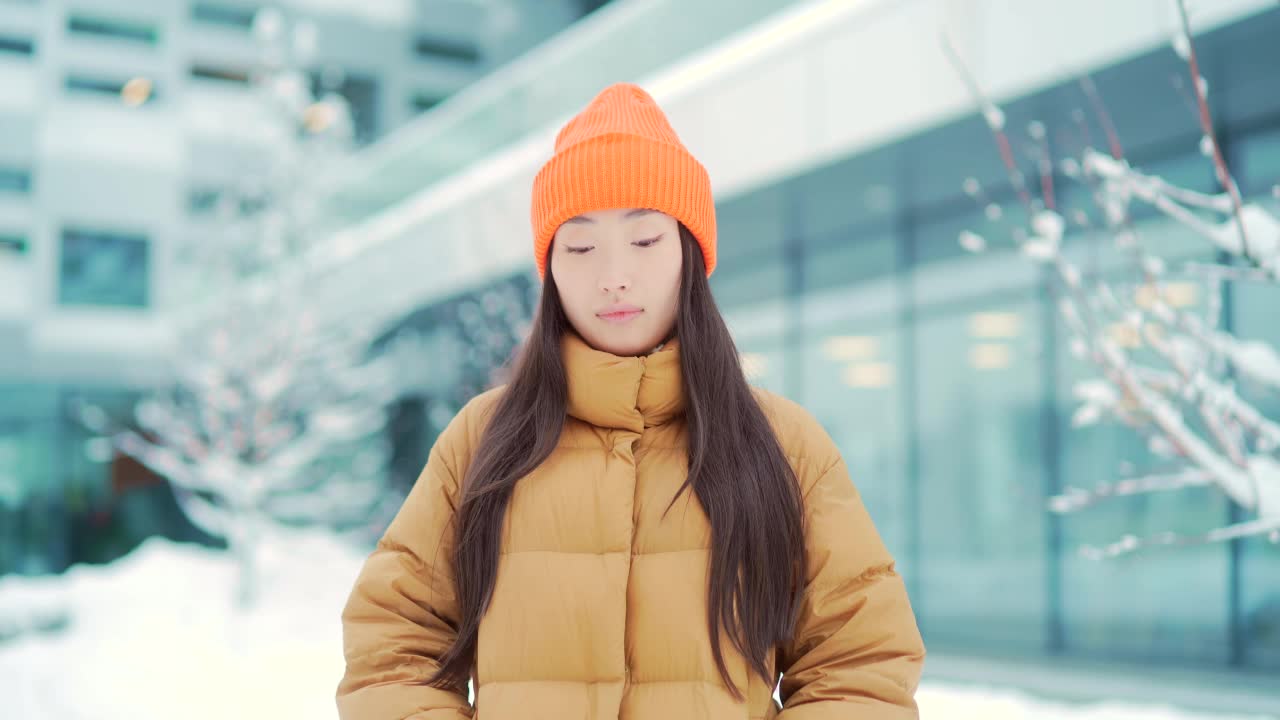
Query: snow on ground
point(156, 636)
point(947, 702)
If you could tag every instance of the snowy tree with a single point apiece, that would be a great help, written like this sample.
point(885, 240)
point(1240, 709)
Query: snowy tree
point(269, 214)
point(1185, 404)
point(273, 417)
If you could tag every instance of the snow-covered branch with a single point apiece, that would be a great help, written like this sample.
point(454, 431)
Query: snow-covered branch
point(1077, 499)
point(1164, 370)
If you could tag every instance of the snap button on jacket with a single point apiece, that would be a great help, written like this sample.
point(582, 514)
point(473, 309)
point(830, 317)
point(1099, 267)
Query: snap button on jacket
point(599, 607)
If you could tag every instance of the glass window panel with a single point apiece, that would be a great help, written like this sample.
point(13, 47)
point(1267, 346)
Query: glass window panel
point(979, 405)
point(104, 268)
point(1240, 61)
point(849, 256)
point(939, 237)
point(764, 362)
point(854, 379)
point(1257, 163)
point(1167, 605)
point(127, 31)
point(15, 45)
point(12, 244)
point(858, 191)
point(361, 94)
point(29, 477)
point(141, 93)
point(1256, 317)
point(228, 75)
point(753, 224)
point(15, 180)
point(1145, 103)
point(239, 18)
point(444, 48)
point(737, 286)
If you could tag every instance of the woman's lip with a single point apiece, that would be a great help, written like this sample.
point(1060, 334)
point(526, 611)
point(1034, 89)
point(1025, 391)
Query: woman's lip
point(619, 317)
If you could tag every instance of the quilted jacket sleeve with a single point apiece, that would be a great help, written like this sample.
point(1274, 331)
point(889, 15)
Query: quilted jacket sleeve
point(401, 614)
point(857, 651)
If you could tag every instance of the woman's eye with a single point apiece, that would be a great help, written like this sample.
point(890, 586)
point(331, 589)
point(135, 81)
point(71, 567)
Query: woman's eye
point(647, 243)
point(577, 250)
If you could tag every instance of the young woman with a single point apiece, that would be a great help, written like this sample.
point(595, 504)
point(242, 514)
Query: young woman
point(627, 529)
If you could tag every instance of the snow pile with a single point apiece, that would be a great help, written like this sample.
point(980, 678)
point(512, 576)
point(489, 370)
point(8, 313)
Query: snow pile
point(948, 702)
point(157, 636)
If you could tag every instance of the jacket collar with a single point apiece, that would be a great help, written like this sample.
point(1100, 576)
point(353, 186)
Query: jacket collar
point(623, 393)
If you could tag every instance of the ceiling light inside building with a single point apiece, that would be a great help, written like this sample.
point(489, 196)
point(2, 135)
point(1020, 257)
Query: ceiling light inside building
point(136, 92)
point(1126, 335)
point(754, 365)
point(1175, 294)
point(994, 324)
point(319, 116)
point(851, 347)
point(868, 375)
point(990, 356)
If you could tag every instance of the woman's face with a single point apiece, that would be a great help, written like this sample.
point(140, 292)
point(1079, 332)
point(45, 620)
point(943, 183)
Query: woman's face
point(618, 275)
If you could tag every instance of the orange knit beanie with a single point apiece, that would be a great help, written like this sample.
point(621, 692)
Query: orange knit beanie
point(621, 152)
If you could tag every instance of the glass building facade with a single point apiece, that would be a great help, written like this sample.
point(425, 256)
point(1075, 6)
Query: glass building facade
point(946, 378)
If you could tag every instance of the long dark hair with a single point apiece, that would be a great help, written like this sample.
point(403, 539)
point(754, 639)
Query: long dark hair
point(737, 470)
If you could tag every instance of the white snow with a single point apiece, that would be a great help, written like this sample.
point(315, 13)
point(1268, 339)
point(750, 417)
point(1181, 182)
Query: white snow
point(1182, 45)
point(1043, 246)
point(1048, 223)
point(156, 636)
point(1262, 233)
point(971, 241)
point(950, 702)
point(994, 117)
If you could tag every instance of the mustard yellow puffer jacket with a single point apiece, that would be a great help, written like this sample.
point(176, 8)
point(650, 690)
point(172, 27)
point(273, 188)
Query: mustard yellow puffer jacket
point(599, 607)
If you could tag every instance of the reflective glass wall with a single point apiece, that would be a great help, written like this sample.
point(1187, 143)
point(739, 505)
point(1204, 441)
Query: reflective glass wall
point(946, 378)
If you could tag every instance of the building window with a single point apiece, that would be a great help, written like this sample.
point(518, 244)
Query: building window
point(239, 18)
point(586, 7)
point(133, 32)
point(137, 91)
point(15, 180)
point(12, 45)
point(231, 76)
point(438, 48)
point(202, 200)
point(81, 84)
point(361, 94)
point(12, 245)
point(207, 200)
point(103, 268)
point(422, 102)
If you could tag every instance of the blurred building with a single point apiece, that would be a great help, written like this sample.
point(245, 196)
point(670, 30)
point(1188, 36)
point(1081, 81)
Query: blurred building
point(839, 141)
point(122, 125)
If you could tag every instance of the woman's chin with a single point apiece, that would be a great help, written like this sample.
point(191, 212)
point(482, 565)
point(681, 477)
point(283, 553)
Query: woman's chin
point(623, 341)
